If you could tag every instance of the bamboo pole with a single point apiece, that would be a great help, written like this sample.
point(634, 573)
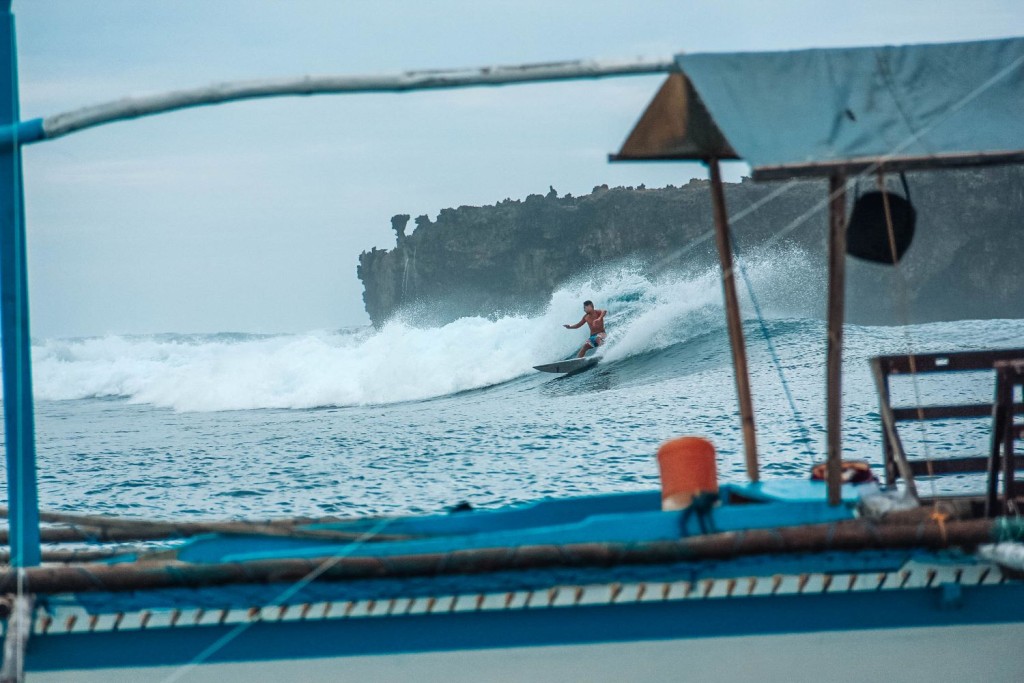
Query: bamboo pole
point(129, 522)
point(853, 535)
point(732, 315)
point(836, 303)
point(91, 528)
point(159, 532)
point(434, 79)
point(81, 554)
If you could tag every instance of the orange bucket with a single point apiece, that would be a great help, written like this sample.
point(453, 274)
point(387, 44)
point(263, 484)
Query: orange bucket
point(687, 468)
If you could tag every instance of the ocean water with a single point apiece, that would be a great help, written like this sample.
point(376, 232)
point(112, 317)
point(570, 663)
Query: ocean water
point(412, 420)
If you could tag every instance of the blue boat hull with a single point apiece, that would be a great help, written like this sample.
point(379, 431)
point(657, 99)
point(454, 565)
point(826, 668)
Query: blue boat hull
point(723, 629)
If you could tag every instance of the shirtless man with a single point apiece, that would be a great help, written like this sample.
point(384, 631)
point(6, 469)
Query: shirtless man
point(595, 319)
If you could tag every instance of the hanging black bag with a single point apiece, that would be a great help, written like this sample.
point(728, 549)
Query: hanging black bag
point(868, 236)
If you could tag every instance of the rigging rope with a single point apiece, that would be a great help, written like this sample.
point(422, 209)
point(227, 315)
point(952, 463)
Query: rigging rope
point(805, 436)
point(904, 312)
point(286, 594)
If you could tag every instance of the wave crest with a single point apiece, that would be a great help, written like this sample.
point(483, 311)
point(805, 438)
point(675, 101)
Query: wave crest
point(399, 362)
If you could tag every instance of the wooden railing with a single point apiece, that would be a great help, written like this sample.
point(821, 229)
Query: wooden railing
point(1008, 367)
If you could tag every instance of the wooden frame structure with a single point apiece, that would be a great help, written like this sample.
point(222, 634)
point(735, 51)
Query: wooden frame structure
point(746, 106)
point(1008, 368)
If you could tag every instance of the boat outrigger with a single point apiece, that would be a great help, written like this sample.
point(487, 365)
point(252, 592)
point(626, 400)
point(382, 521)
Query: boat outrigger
point(771, 579)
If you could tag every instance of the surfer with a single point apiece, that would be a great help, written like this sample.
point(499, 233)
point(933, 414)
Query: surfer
point(594, 318)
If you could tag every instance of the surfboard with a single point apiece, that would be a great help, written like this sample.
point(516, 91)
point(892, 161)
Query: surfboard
point(568, 365)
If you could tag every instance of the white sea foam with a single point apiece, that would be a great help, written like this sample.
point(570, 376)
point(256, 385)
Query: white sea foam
point(399, 362)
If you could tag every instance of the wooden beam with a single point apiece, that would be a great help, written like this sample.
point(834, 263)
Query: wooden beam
point(1009, 376)
point(19, 627)
point(895, 456)
point(853, 535)
point(919, 363)
point(888, 164)
point(735, 324)
point(955, 412)
point(836, 303)
point(958, 465)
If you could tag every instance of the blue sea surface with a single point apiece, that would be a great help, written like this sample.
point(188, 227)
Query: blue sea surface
point(407, 420)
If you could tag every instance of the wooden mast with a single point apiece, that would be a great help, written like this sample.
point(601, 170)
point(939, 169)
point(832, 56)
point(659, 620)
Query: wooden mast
point(732, 314)
point(836, 302)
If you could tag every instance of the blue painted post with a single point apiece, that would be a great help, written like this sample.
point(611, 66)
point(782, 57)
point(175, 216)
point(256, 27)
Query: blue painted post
point(19, 419)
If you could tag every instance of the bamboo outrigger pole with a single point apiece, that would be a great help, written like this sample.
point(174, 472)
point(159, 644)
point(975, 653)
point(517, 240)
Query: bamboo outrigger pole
point(836, 301)
point(926, 533)
point(126, 108)
point(732, 315)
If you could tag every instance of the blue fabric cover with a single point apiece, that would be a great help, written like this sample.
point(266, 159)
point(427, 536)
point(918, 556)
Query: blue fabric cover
point(785, 108)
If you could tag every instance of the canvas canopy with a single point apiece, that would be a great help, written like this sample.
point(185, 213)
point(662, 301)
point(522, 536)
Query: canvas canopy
point(816, 112)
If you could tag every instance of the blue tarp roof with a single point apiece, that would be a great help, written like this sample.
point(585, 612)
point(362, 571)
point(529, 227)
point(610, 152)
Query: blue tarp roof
point(942, 104)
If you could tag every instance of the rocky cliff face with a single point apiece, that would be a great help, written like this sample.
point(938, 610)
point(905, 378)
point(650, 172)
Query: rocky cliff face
point(964, 263)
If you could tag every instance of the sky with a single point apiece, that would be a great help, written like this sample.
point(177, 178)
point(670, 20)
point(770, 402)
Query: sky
point(250, 217)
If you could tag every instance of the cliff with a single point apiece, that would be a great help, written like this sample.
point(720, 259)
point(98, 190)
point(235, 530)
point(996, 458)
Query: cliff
point(511, 256)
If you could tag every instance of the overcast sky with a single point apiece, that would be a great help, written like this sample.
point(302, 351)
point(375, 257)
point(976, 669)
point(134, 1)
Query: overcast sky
point(250, 216)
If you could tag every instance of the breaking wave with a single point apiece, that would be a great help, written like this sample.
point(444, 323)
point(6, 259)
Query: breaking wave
point(401, 362)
